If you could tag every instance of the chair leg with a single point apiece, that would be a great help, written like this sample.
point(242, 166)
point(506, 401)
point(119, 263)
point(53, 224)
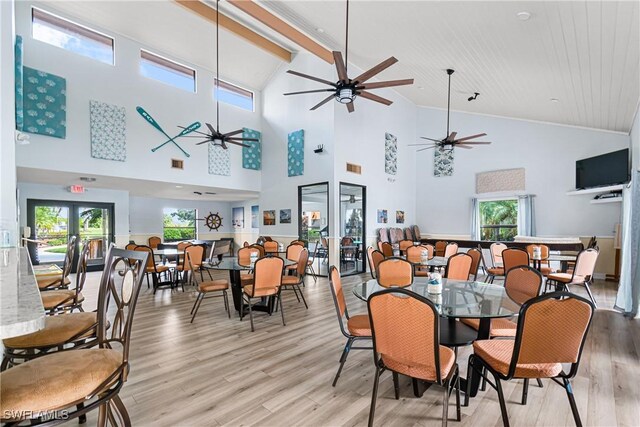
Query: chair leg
point(147, 280)
point(198, 301)
point(281, 309)
point(445, 404)
point(457, 385)
point(102, 415)
point(241, 307)
point(343, 358)
point(195, 303)
point(396, 385)
point(251, 316)
point(226, 304)
point(503, 404)
point(302, 296)
point(82, 419)
point(525, 391)
point(374, 395)
point(593, 300)
point(122, 410)
point(539, 382)
point(572, 402)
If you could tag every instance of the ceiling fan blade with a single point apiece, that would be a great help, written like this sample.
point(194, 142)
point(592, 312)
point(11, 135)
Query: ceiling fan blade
point(427, 148)
point(473, 142)
point(388, 83)
point(238, 143)
point(306, 76)
point(342, 70)
point(375, 98)
point(203, 142)
point(235, 132)
point(375, 70)
point(420, 145)
point(321, 103)
point(309, 91)
point(431, 139)
point(213, 131)
point(466, 147)
point(242, 139)
point(451, 137)
point(351, 107)
point(470, 137)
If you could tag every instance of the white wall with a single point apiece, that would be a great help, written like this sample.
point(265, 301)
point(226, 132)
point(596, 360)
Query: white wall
point(282, 115)
point(634, 136)
point(120, 199)
point(122, 84)
point(7, 118)
point(547, 152)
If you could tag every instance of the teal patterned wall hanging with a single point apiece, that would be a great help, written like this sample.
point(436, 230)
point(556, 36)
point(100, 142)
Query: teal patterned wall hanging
point(252, 155)
point(44, 103)
point(295, 153)
point(19, 84)
point(107, 126)
point(219, 160)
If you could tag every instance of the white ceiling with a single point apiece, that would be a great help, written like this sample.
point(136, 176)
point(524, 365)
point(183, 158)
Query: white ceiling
point(135, 187)
point(584, 53)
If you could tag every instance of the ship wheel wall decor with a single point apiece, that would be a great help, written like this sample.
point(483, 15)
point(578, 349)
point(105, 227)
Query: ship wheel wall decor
point(213, 221)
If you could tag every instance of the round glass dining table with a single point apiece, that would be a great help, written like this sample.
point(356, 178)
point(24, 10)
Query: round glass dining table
point(459, 300)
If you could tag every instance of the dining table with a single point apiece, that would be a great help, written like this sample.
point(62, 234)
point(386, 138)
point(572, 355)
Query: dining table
point(232, 265)
point(460, 299)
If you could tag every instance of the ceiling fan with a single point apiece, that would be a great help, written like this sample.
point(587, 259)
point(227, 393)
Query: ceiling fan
point(450, 139)
point(215, 136)
point(345, 90)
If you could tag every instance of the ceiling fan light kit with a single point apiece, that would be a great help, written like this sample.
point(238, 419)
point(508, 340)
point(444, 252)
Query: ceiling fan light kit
point(346, 90)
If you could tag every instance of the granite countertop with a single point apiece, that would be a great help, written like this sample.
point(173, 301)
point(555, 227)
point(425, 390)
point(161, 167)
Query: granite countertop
point(21, 310)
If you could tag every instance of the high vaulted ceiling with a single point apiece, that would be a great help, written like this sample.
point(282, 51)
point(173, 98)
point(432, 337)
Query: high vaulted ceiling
point(585, 54)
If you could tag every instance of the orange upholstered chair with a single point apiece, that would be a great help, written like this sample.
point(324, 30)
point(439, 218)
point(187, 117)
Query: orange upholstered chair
point(207, 288)
point(394, 272)
point(154, 241)
point(297, 242)
point(267, 282)
point(295, 282)
point(244, 259)
point(476, 257)
point(538, 350)
point(450, 250)
point(430, 249)
point(357, 327)
point(372, 268)
point(545, 268)
point(387, 249)
point(376, 258)
point(271, 246)
point(582, 273)
point(458, 267)
point(260, 249)
point(293, 254)
point(513, 257)
point(196, 253)
point(154, 270)
point(497, 268)
point(403, 245)
point(414, 256)
point(440, 247)
point(405, 330)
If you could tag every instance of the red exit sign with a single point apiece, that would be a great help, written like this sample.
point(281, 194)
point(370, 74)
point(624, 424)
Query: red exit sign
point(78, 189)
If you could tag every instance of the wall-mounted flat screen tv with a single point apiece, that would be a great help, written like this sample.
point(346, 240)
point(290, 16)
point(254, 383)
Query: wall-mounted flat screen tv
point(606, 169)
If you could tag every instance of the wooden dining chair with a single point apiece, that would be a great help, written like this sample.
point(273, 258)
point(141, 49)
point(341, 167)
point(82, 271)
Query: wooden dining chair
point(538, 351)
point(582, 274)
point(394, 272)
point(67, 300)
point(267, 283)
point(210, 287)
point(476, 257)
point(295, 281)
point(405, 329)
point(83, 380)
point(513, 257)
point(60, 281)
point(414, 256)
point(154, 241)
point(450, 250)
point(387, 249)
point(458, 267)
point(440, 247)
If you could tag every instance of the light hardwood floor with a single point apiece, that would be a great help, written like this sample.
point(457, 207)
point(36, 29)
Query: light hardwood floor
point(217, 372)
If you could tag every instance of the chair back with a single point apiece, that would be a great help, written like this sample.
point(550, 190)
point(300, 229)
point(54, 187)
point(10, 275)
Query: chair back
point(476, 256)
point(81, 267)
point(183, 245)
point(513, 257)
point(394, 272)
point(303, 257)
point(260, 249)
point(297, 242)
point(154, 241)
point(130, 246)
point(496, 249)
point(244, 255)
point(451, 249)
point(267, 273)
point(387, 249)
point(117, 297)
point(537, 343)
point(150, 260)
point(376, 258)
point(404, 244)
point(523, 283)
point(416, 233)
point(440, 247)
point(195, 254)
point(405, 328)
point(245, 244)
point(430, 249)
point(586, 263)
point(414, 254)
point(544, 251)
point(271, 246)
point(293, 252)
point(335, 283)
point(408, 234)
point(458, 267)
point(68, 257)
point(372, 268)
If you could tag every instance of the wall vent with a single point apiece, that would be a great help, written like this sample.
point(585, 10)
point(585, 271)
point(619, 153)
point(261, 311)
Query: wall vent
point(177, 164)
point(353, 168)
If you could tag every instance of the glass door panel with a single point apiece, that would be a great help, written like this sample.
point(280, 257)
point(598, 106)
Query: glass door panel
point(51, 228)
point(94, 226)
point(352, 229)
point(313, 224)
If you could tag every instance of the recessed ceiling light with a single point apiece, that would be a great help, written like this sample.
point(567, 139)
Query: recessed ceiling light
point(178, 186)
point(320, 30)
point(87, 179)
point(523, 16)
point(554, 100)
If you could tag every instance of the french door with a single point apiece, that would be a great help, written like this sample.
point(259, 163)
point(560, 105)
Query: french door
point(53, 221)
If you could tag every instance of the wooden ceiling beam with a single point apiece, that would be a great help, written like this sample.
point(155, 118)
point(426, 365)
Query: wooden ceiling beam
point(281, 27)
point(235, 27)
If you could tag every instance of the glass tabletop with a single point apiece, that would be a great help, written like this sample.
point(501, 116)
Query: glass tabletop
point(165, 252)
point(459, 299)
point(436, 261)
point(231, 263)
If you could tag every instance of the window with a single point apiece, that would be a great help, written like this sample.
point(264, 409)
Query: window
point(498, 219)
point(68, 35)
point(167, 71)
point(179, 224)
point(234, 95)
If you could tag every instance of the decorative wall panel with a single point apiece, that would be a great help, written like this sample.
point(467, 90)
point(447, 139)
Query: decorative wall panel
point(442, 162)
point(295, 153)
point(501, 180)
point(252, 155)
point(108, 126)
point(44, 103)
point(390, 154)
point(219, 160)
